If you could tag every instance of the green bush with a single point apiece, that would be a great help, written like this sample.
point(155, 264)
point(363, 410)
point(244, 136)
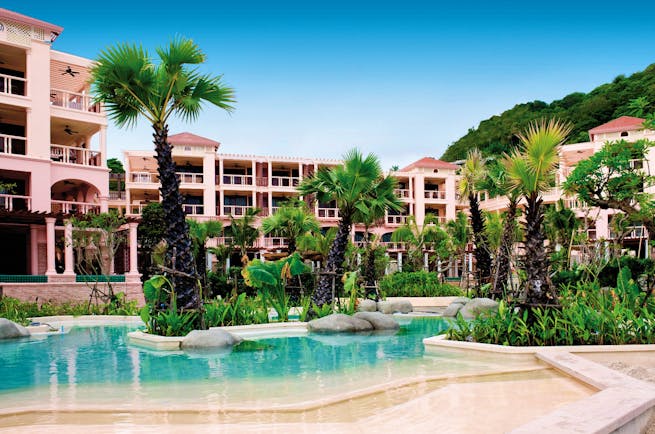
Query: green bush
point(240, 310)
point(416, 284)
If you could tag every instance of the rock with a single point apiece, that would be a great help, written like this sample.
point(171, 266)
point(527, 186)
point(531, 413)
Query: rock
point(212, 338)
point(478, 306)
point(338, 322)
point(452, 309)
point(403, 306)
point(461, 300)
point(378, 320)
point(11, 330)
point(367, 306)
point(385, 307)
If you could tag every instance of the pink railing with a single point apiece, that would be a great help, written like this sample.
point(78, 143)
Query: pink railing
point(73, 101)
point(74, 155)
point(70, 207)
point(11, 85)
point(15, 202)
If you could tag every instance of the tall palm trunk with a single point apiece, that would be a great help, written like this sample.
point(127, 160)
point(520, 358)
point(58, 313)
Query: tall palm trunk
point(482, 255)
point(291, 245)
point(179, 247)
point(537, 288)
point(336, 256)
point(505, 251)
point(369, 266)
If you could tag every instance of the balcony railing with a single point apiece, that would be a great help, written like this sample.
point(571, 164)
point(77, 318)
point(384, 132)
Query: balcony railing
point(190, 178)
point(234, 210)
point(390, 245)
point(261, 181)
point(396, 219)
point(634, 233)
point(274, 209)
point(136, 208)
point(116, 195)
point(235, 179)
point(435, 194)
point(193, 209)
point(285, 181)
point(69, 207)
point(144, 177)
point(272, 242)
point(74, 155)
point(12, 144)
point(223, 241)
point(73, 101)
point(327, 213)
point(15, 202)
point(402, 193)
point(12, 85)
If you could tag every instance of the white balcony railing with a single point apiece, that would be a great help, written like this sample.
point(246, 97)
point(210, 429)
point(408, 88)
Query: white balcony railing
point(15, 202)
point(12, 144)
point(144, 177)
point(274, 209)
point(402, 193)
point(193, 209)
point(396, 219)
point(633, 233)
point(390, 245)
point(285, 181)
point(235, 210)
point(116, 195)
point(435, 194)
point(235, 180)
point(12, 85)
point(327, 213)
point(136, 208)
point(69, 207)
point(190, 178)
point(73, 101)
point(272, 242)
point(74, 155)
point(222, 241)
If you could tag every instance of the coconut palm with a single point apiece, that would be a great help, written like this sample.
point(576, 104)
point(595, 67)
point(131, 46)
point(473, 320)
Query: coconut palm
point(418, 239)
point(131, 85)
point(200, 233)
point(352, 185)
point(531, 172)
point(291, 221)
point(459, 232)
point(471, 173)
point(243, 232)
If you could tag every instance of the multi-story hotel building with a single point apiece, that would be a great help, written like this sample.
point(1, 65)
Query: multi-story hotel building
point(52, 155)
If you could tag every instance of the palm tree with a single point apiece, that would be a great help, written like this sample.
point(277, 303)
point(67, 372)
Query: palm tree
point(459, 232)
point(560, 226)
point(317, 243)
point(131, 85)
point(291, 221)
point(200, 233)
point(418, 239)
point(243, 232)
point(531, 170)
point(471, 173)
point(352, 185)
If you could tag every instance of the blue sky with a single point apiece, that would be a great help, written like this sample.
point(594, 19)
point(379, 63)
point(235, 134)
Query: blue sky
point(402, 79)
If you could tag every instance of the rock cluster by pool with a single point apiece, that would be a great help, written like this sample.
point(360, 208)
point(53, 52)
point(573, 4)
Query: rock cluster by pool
point(471, 308)
point(401, 306)
point(212, 338)
point(360, 322)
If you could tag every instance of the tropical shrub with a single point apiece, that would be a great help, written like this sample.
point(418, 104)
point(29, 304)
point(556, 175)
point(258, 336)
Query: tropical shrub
point(416, 284)
point(239, 310)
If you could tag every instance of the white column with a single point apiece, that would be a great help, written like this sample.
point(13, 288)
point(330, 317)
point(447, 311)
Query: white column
point(50, 246)
point(400, 261)
point(103, 146)
point(419, 210)
point(426, 263)
point(221, 193)
point(209, 185)
point(134, 269)
point(68, 249)
point(451, 198)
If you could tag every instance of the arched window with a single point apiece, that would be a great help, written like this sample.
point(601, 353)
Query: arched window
point(624, 134)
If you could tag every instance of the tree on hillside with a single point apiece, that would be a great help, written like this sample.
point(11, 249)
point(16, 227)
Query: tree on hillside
point(131, 85)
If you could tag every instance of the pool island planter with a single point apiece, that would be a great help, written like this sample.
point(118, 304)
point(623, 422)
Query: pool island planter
point(622, 404)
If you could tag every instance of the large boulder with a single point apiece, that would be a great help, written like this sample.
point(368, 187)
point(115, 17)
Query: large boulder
point(367, 306)
point(461, 300)
point(338, 323)
point(403, 306)
point(452, 309)
point(477, 307)
point(212, 338)
point(378, 320)
point(11, 330)
point(385, 307)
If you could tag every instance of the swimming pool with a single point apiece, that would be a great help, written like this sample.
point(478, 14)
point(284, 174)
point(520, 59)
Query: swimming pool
point(92, 371)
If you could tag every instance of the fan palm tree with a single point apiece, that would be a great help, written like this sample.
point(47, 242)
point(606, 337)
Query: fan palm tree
point(460, 235)
point(561, 225)
point(317, 243)
point(418, 239)
point(471, 173)
point(200, 233)
point(131, 85)
point(291, 221)
point(531, 171)
point(243, 232)
point(352, 185)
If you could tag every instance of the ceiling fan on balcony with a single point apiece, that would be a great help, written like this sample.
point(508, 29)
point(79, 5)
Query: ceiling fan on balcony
point(70, 131)
point(69, 71)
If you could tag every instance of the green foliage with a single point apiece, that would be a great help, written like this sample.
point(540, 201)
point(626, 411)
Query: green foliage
point(115, 165)
point(151, 233)
point(240, 310)
point(498, 134)
point(291, 221)
point(416, 284)
point(418, 239)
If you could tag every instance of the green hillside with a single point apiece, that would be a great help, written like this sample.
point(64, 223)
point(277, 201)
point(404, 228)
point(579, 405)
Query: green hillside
point(632, 96)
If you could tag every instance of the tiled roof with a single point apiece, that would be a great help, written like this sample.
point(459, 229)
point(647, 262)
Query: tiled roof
point(624, 123)
point(430, 163)
point(192, 140)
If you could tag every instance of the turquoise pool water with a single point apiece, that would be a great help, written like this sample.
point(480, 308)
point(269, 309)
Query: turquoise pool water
point(100, 355)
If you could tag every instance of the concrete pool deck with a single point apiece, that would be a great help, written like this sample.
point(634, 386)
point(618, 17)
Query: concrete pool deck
point(558, 392)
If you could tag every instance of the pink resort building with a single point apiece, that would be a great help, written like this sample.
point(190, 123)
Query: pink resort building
point(52, 163)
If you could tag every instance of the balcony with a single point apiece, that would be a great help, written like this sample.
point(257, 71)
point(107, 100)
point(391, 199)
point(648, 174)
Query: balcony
point(390, 245)
point(73, 101)
point(69, 207)
point(396, 220)
point(74, 155)
point(116, 195)
point(235, 180)
point(435, 195)
point(12, 144)
point(402, 193)
point(136, 208)
point(144, 178)
point(633, 233)
point(285, 181)
point(272, 243)
point(328, 213)
point(193, 209)
point(234, 210)
point(190, 178)
point(14, 202)
point(10, 85)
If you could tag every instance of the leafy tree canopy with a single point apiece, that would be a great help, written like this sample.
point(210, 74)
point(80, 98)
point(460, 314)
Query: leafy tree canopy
point(115, 165)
